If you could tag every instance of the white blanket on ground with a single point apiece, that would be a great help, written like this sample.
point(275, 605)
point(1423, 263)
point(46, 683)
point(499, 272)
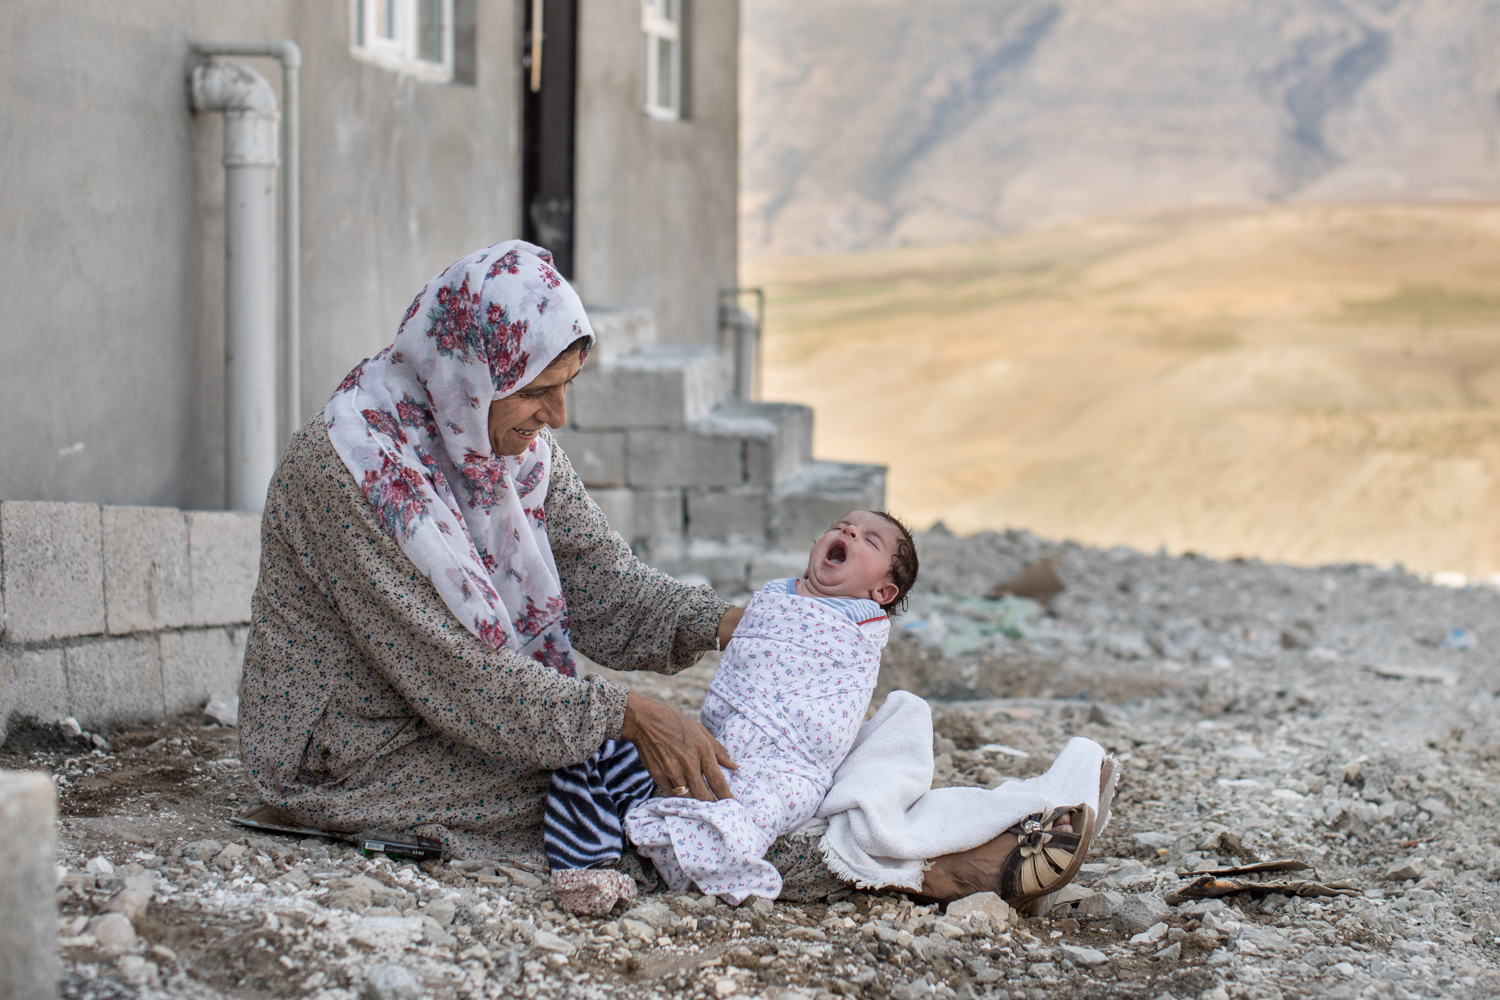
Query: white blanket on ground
point(885, 821)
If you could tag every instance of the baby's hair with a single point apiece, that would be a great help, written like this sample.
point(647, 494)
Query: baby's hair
point(903, 564)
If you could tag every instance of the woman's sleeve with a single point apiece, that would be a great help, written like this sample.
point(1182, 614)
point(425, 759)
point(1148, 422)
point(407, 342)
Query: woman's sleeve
point(625, 615)
point(495, 700)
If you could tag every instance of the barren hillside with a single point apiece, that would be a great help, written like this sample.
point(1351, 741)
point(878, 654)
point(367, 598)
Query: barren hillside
point(1304, 384)
point(882, 122)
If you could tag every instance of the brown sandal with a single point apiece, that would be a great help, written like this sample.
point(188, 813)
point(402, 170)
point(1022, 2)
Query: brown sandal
point(1028, 882)
point(1044, 859)
point(1109, 774)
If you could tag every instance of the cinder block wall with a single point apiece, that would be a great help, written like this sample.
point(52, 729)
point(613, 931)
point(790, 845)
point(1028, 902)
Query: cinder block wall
point(121, 614)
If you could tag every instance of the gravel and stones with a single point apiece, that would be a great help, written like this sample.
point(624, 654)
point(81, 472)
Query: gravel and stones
point(1259, 711)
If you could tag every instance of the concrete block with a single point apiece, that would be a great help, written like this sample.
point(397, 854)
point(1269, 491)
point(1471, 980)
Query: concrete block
point(778, 437)
point(114, 680)
point(7, 696)
point(148, 583)
point(618, 507)
point(37, 687)
point(224, 553)
point(818, 495)
point(666, 385)
point(597, 456)
point(619, 330)
point(684, 458)
point(28, 887)
point(197, 664)
point(775, 564)
point(726, 570)
point(53, 570)
point(659, 516)
point(736, 513)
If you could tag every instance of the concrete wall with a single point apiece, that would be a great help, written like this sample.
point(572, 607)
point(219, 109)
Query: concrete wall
point(656, 222)
point(111, 256)
point(111, 225)
point(121, 614)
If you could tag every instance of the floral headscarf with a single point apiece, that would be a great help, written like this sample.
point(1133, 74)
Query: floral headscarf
point(412, 425)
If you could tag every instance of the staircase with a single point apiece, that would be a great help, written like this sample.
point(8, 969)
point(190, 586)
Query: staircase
point(699, 482)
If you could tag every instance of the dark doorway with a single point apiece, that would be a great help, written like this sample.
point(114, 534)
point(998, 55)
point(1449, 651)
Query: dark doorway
point(547, 127)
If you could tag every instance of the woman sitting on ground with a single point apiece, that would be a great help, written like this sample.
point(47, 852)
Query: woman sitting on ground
point(429, 563)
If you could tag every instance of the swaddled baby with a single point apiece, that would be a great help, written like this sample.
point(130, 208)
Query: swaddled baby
point(786, 702)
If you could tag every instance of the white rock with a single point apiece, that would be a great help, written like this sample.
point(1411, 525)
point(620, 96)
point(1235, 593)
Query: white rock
point(442, 910)
point(637, 929)
point(224, 708)
point(549, 942)
point(521, 878)
point(1137, 913)
point(113, 932)
point(391, 982)
point(1151, 935)
point(1199, 907)
point(998, 910)
point(137, 971)
point(658, 915)
point(130, 903)
point(99, 865)
point(1084, 956)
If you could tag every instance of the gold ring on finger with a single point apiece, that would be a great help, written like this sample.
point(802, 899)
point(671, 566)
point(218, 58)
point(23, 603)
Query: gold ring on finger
point(680, 791)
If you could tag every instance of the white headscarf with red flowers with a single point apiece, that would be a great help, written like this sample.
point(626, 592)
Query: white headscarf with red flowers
point(412, 424)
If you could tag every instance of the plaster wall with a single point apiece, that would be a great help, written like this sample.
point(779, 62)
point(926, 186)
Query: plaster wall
point(656, 201)
point(111, 226)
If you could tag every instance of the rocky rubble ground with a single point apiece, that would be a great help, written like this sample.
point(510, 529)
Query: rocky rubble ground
point(1341, 716)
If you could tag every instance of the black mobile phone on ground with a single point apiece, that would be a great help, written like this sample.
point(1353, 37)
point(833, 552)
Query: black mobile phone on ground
point(400, 845)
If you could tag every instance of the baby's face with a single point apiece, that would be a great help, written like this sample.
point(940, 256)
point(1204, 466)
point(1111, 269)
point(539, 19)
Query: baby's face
point(853, 559)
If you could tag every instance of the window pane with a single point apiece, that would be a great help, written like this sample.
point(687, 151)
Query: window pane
point(359, 23)
point(430, 30)
point(664, 81)
point(387, 18)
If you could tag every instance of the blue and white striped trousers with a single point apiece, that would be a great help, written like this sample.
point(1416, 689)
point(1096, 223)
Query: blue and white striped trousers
point(587, 803)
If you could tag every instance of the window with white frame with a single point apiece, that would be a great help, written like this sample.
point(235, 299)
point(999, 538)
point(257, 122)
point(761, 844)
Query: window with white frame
point(662, 25)
point(414, 37)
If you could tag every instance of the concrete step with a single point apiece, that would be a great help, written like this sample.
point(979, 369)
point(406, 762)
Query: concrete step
point(819, 494)
point(734, 569)
point(740, 536)
point(736, 445)
point(620, 330)
point(659, 386)
point(778, 437)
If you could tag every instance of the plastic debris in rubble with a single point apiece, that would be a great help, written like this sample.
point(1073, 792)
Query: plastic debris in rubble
point(1460, 639)
point(960, 625)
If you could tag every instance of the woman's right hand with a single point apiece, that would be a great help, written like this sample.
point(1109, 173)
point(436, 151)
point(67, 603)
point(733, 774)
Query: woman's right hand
point(676, 749)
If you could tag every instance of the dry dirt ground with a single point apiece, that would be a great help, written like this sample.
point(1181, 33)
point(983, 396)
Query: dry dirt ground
point(1342, 716)
point(1307, 384)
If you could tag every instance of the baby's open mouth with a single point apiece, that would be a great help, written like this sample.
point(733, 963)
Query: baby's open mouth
point(837, 553)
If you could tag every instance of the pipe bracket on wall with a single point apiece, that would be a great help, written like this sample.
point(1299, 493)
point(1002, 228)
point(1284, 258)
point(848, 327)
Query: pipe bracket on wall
point(248, 104)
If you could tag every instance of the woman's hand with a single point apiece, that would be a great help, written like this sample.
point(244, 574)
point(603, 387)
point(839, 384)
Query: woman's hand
point(727, 625)
point(676, 749)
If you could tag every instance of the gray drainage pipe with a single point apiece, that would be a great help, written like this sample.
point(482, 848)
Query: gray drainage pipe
point(250, 160)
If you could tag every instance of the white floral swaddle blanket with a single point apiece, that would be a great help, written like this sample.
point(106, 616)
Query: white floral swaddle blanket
point(786, 702)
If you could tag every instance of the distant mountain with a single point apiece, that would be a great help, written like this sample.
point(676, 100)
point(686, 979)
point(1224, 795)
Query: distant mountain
point(879, 122)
